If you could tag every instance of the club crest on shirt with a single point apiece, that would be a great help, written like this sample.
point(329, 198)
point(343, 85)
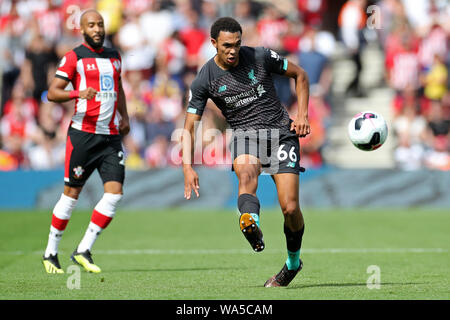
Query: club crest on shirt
point(116, 64)
point(252, 77)
point(78, 172)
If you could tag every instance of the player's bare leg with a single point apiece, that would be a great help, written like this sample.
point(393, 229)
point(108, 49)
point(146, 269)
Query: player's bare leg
point(60, 217)
point(101, 217)
point(288, 196)
point(247, 169)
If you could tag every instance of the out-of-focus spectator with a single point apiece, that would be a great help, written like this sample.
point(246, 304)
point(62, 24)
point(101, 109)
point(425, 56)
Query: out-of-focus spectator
point(435, 81)
point(391, 11)
point(13, 39)
point(438, 158)
point(433, 43)
point(423, 13)
point(48, 22)
point(352, 21)
point(311, 145)
point(156, 24)
point(311, 11)
point(411, 124)
point(245, 13)
point(438, 123)
point(167, 97)
point(111, 11)
point(139, 96)
point(438, 155)
point(225, 8)
point(402, 62)
point(292, 36)
point(316, 64)
point(18, 131)
point(28, 105)
point(40, 57)
point(408, 156)
point(171, 55)
point(193, 38)
point(137, 53)
point(49, 153)
point(7, 161)
point(156, 153)
point(271, 27)
point(208, 14)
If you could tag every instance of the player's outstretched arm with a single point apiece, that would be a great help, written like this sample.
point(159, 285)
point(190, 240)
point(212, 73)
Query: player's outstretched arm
point(56, 92)
point(191, 181)
point(301, 123)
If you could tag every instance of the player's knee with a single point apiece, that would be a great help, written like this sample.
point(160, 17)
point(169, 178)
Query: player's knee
point(247, 178)
point(109, 203)
point(290, 208)
point(72, 192)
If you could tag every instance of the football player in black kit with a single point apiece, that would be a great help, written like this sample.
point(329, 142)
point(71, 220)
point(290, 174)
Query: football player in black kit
point(238, 80)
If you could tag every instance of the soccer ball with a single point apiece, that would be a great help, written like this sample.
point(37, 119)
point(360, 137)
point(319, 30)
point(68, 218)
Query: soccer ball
point(367, 130)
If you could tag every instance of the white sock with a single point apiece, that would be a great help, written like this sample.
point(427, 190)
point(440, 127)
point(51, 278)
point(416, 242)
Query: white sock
point(102, 215)
point(61, 215)
point(92, 232)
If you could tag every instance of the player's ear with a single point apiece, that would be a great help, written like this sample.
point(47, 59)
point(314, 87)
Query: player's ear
point(214, 42)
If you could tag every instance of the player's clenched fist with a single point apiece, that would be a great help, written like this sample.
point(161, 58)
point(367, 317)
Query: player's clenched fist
point(88, 93)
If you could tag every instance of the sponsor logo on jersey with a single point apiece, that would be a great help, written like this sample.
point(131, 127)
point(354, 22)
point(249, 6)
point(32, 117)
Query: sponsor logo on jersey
point(106, 82)
point(291, 164)
point(260, 90)
point(90, 67)
point(274, 55)
point(222, 88)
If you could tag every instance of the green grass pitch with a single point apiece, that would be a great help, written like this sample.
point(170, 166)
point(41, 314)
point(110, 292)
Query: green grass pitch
point(175, 254)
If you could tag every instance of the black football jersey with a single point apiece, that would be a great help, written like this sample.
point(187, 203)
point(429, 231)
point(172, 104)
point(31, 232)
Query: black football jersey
point(245, 94)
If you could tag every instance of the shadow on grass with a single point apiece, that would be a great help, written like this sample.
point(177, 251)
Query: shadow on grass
point(321, 285)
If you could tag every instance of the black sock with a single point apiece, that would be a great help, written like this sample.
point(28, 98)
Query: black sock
point(293, 243)
point(248, 203)
point(293, 239)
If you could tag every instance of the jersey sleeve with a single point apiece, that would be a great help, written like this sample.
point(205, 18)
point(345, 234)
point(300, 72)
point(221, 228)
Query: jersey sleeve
point(119, 66)
point(67, 66)
point(198, 96)
point(272, 61)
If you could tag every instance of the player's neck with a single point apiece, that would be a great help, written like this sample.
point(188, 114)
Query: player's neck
point(98, 50)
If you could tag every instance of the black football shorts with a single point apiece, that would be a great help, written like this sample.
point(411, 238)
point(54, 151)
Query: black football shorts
point(278, 152)
point(86, 152)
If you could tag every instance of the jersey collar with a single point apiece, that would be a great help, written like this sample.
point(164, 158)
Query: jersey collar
point(94, 50)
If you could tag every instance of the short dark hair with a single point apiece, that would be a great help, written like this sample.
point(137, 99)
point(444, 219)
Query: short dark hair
point(225, 24)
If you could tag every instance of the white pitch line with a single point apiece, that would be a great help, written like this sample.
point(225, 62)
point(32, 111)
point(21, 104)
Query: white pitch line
point(246, 251)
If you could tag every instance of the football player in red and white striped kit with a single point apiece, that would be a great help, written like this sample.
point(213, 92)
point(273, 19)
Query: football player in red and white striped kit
point(93, 139)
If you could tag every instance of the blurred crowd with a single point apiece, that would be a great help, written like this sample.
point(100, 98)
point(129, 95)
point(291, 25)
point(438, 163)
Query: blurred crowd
point(417, 61)
point(164, 42)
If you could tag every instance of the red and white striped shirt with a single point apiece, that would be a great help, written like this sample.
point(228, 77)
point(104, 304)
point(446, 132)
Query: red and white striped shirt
point(100, 70)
